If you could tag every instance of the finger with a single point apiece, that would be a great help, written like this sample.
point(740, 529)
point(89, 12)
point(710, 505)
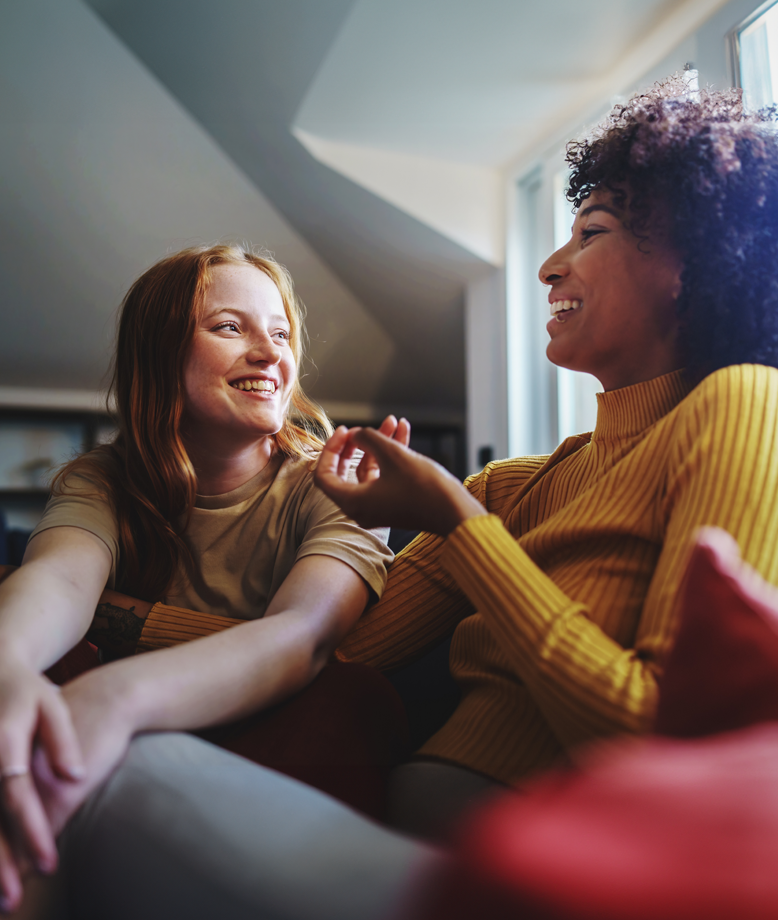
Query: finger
point(368, 469)
point(10, 879)
point(388, 426)
point(335, 444)
point(58, 738)
point(346, 456)
point(27, 821)
point(327, 478)
point(386, 451)
point(329, 458)
point(402, 433)
point(21, 807)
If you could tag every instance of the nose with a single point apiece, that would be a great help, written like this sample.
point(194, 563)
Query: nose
point(264, 350)
point(556, 267)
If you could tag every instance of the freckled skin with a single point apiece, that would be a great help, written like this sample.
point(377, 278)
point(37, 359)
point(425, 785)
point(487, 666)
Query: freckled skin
point(242, 334)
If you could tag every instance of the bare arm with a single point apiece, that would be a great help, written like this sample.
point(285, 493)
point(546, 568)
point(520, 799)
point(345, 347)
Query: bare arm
point(214, 679)
point(45, 608)
point(47, 605)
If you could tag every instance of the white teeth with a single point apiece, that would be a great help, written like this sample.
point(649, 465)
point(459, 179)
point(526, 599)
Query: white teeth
point(266, 386)
point(563, 306)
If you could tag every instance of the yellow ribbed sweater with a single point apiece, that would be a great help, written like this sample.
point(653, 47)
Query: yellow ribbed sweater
point(575, 573)
point(563, 600)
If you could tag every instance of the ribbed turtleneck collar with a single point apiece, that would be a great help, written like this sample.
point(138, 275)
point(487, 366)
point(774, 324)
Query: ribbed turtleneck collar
point(626, 412)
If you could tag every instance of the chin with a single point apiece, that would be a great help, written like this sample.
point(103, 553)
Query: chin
point(559, 359)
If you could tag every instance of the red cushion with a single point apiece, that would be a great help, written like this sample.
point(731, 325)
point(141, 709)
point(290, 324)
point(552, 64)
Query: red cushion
point(660, 828)
point(722, 673)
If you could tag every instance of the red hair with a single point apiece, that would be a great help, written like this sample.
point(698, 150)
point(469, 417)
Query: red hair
point(146, 473)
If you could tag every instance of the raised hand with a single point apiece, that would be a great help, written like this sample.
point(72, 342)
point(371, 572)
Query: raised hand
point(398, 487)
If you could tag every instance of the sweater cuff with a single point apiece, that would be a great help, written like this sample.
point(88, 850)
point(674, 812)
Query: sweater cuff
point(166, 626)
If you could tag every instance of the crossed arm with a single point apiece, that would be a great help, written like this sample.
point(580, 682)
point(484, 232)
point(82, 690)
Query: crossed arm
point(75, 738)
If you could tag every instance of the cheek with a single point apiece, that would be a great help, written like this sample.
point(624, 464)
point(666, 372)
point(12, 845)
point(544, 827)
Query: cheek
point(290, 371)
point(203, 363)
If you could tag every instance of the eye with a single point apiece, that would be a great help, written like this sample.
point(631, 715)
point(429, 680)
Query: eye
point(228, 326)
point(282, 334)
point(589, 233)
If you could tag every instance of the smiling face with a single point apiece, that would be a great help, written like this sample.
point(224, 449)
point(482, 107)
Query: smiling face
point(240, 370)
point(613, 299)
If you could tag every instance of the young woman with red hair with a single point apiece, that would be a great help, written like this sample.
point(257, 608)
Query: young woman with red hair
point(206, 499)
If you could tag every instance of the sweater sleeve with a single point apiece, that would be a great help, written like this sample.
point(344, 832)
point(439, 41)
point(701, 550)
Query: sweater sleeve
point(722, 471)
point(423, 603)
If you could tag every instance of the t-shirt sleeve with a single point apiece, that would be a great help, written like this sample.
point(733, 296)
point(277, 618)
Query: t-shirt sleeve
point(78, 503)
point(328, 532)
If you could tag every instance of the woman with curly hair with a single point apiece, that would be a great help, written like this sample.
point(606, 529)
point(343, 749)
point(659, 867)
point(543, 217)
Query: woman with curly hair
point(558, 575)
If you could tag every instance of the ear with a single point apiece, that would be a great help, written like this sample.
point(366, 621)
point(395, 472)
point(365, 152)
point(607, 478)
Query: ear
point(674, 265)
point(677, 285)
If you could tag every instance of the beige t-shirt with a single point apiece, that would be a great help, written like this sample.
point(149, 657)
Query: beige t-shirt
point(244, 542)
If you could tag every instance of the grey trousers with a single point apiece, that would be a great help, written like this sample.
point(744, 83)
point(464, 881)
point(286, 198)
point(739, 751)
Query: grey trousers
point(184, 829)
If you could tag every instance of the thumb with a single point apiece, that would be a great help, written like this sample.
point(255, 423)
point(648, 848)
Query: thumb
point(388, 452)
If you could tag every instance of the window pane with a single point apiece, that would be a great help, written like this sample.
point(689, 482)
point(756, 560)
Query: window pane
point(758, 43)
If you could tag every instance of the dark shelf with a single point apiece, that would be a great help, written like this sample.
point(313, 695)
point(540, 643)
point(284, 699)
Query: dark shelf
point(24, 494)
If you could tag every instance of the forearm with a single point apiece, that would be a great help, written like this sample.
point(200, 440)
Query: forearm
point(42, 615)
point(215, 679)
point(586, 684)
point(46, 605)
point(229, 674)
point(421, 606)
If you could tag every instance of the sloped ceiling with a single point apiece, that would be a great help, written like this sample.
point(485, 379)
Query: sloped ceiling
point(241, 70)
point(132, 127)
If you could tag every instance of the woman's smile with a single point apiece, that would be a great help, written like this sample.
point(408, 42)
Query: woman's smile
point(261, 387)
point(240, 371)
point(561, 310)
point(613, 298)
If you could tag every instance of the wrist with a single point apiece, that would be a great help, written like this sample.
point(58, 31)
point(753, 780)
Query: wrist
point(463, 507)
point(15, 653)
point(110, 690)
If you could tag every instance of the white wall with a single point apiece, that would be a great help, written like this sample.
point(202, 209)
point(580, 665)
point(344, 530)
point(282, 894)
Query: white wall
point(485, 364)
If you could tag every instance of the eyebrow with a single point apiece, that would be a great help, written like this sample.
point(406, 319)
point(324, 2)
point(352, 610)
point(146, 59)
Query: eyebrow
point(275, 318)
point(600, 207)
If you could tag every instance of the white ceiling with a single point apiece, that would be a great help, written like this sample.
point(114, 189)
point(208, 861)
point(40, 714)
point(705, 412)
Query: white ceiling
point(464, 81)
point(433, 115)
point(132, 127)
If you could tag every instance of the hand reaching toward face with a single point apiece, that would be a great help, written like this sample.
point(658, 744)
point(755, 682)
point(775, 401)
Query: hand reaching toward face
point(395, 486)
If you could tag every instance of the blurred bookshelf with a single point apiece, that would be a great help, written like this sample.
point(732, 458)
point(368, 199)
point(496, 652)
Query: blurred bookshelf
point(34, 443)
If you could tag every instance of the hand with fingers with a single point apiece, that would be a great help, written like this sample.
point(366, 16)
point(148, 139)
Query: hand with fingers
point(397, 487)
point(32, 712)
point(104, 728)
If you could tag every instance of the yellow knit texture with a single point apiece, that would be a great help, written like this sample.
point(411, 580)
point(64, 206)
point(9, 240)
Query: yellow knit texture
point(563, 600)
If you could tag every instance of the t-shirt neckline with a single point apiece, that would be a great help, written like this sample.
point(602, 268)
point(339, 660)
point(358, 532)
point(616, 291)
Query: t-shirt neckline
point(243, 492)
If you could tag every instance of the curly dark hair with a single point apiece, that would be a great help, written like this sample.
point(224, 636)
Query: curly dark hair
point(710, 166)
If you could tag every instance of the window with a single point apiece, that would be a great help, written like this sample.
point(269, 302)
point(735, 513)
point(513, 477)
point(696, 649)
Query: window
point(545, 403)
point(756, 43)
